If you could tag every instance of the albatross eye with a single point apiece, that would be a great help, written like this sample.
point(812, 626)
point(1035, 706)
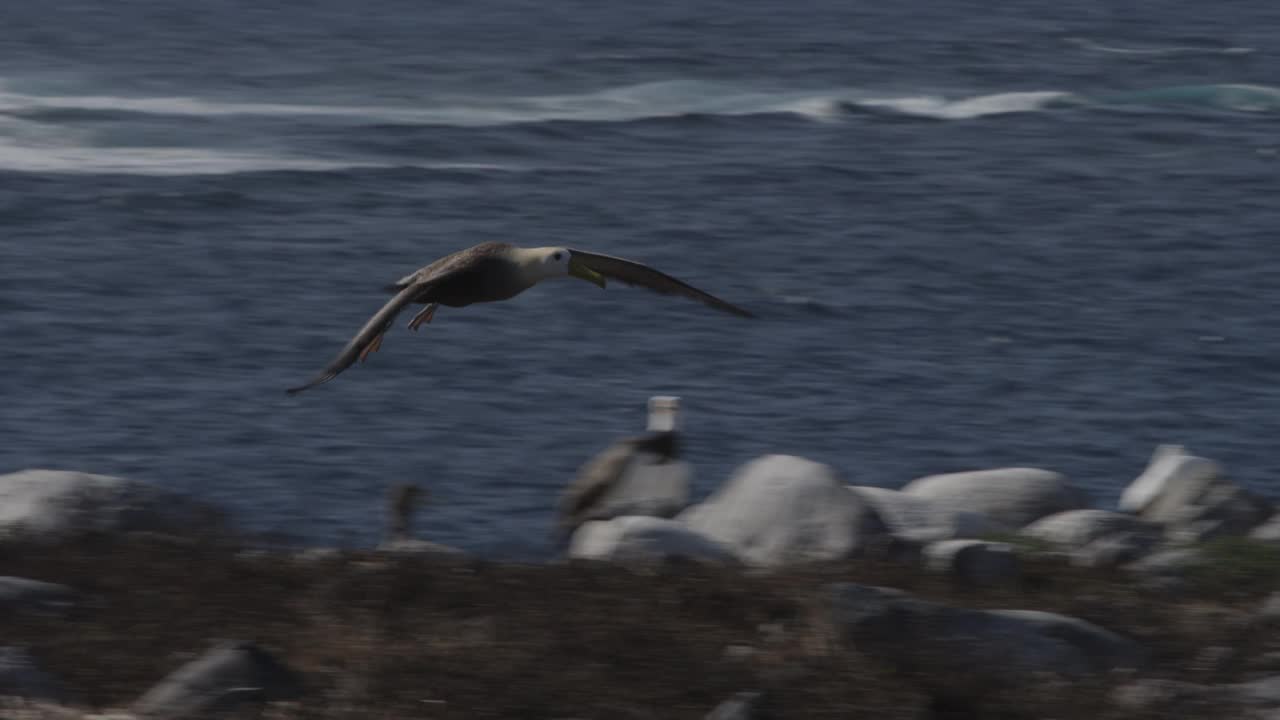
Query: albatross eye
point(557, 256)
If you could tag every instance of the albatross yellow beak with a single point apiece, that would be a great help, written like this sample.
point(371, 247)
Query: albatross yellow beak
point(579, 270)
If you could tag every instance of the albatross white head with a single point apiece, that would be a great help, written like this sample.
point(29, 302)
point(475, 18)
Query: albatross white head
point(544, 263)
point(663, 410)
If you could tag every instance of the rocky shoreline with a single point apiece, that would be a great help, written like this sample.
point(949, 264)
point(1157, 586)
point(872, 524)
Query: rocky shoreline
point(786, 593)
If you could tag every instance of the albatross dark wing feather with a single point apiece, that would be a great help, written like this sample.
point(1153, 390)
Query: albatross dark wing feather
point(369, 334)
point(636, 274)
point(408, 289)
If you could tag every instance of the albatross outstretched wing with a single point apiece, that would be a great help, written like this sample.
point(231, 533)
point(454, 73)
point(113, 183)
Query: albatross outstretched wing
point(408, 289)
point(369, 334)
point(634, 273)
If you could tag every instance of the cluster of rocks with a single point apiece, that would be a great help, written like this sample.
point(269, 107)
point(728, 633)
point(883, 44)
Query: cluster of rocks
point(229, 677)
point(780, 510)
point(774, 512)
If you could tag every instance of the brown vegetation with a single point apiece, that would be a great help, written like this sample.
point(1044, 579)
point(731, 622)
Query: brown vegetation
point(395, 636)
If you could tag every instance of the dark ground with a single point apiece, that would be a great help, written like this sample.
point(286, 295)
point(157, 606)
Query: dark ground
point(389, 637)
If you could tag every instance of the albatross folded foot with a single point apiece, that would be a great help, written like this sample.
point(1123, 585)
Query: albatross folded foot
point(373, 346)
point(425, 316)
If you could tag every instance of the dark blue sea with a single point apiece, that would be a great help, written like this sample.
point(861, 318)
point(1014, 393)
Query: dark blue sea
point(1037, 233)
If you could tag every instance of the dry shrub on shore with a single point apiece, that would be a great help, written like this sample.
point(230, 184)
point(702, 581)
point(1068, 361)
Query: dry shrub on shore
point(408, 636)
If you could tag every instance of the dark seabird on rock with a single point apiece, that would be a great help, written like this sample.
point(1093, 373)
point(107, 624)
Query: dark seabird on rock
point(639, 475)
point(491, 272)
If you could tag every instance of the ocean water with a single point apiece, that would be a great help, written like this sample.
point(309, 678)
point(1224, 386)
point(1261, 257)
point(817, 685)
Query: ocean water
point(1043, 234)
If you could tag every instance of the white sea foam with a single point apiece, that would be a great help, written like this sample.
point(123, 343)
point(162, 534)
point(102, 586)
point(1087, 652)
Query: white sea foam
point(31, 147)
point(30, 141)
point(150, 161)
point(665, 99)
point(634, 102)
point(973, 107)
point(1174, 50)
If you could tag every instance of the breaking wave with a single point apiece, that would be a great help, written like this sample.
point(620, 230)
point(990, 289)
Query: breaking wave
point(651, 101)
point(38, 135)
point(1159, 51)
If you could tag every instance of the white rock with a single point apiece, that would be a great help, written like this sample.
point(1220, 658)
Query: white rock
point(1268, 531)
point(1115, 550)
point(1077, 528)
point(743, 706)
point(644, 538)
point(1009, 496)
point(918, 518)
point(57, 502)
point(1263, 691)
point(1258, 698)
point(1169, 464)
point(973, 561)
point(1192, 497)
point(1270, 609)
point(781, 509)
point(1172, 562)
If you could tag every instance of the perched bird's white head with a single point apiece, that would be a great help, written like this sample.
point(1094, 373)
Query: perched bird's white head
point(544, 263)
point(663, 410)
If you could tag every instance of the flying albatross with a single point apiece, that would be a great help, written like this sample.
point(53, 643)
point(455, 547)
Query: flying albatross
point(490, 272)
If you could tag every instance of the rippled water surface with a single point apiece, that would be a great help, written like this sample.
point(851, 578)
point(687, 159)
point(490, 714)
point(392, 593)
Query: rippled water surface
point(976, 236)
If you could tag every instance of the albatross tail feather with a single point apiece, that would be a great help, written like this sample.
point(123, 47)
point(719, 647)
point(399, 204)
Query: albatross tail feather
point(369, 337)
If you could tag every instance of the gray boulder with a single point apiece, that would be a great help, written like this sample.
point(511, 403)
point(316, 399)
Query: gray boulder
point(1257, 699)
point(1013, 497)
point(1263, 692)
point(781, 509)
point(20, 677)
point(973, 562)
point(1169, 465)
point(1152, 695)
point(1166, 570)
point(1269, 612)
point(970, 653)
point(54, 503)
point(1077, 528)
point(1115, 550)
point(1268, 531)
point(643, 538)
point(23, 594)
point(923, 520)
point(229, 675)
point(1192, 497)
point(743, 706)
point(1170, 561)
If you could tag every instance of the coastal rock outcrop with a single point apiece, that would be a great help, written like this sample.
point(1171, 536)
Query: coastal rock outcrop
point(968, 653)
point(644, 538)
point(1075, 529)
point(923, 520)
point(781, 509)
point(55, 503)
point(1014, 497)
point(973, 562)
point(229, 675)
point(1192, 498)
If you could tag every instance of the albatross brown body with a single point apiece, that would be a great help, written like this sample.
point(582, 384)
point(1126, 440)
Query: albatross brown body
point(602, 473)
point(491, 272)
